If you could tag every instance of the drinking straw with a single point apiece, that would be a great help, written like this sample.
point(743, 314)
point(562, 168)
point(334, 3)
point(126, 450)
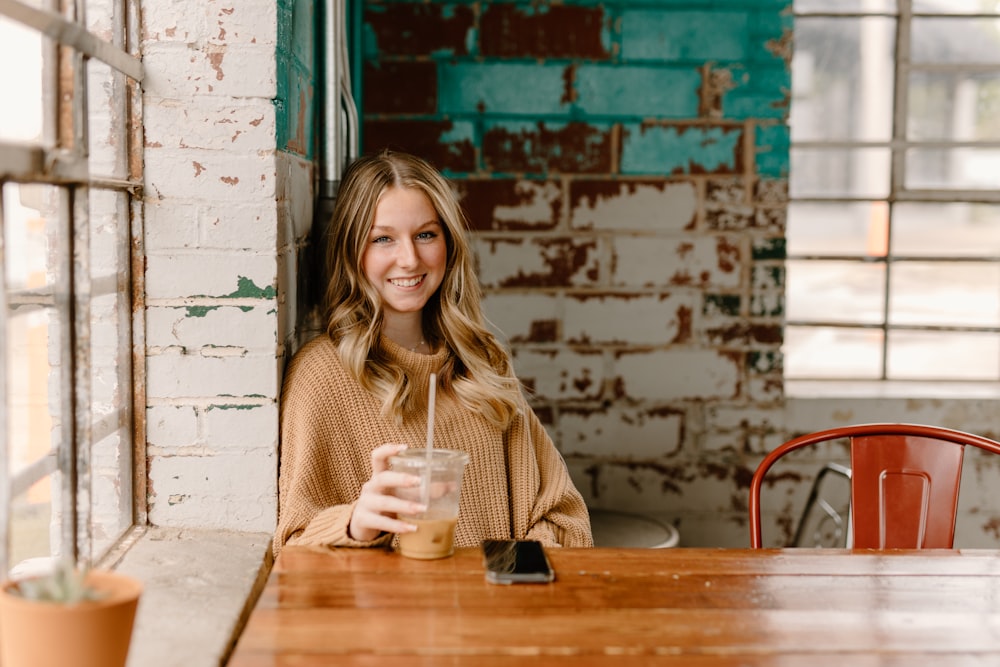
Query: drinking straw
point(425, 482)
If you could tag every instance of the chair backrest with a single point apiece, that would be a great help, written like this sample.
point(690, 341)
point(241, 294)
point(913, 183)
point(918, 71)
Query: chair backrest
point(904, 483)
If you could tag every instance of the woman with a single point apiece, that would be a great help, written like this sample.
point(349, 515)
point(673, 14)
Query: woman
point(403, 302)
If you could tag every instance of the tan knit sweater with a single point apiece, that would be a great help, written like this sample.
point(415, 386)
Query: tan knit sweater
point(515, 486)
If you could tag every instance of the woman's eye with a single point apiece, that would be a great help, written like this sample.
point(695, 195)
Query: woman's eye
point(427, 235)
point(381, 239)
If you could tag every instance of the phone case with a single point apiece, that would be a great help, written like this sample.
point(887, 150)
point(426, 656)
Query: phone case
point(516, 561)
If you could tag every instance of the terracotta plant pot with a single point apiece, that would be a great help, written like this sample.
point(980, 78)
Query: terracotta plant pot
point(87, 634)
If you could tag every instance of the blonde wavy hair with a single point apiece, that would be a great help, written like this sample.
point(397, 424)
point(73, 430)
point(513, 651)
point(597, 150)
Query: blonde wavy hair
point(478, 371)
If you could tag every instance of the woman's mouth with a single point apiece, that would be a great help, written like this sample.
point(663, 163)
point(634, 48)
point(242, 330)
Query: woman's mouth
point(407, 282)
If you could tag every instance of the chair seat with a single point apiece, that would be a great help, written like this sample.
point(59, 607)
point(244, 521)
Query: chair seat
point(622, 529)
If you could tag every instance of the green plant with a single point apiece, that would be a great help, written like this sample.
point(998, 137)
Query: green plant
point(66, 584)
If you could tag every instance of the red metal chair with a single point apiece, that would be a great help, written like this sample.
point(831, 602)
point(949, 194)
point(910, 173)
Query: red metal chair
point(904, 483)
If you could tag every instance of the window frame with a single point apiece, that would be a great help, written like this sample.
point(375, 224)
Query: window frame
point(62, 160)
point(898, 144)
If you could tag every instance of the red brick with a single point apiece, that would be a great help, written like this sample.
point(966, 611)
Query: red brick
point(559, 31)
point(508, 204)
point(574, 148)
point(423, 138)
point(420, 28)
point(400, 87)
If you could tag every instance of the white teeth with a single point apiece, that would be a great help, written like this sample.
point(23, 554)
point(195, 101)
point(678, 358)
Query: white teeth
point(406, 283)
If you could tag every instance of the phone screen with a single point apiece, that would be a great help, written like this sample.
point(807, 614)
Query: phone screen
point(513, 561)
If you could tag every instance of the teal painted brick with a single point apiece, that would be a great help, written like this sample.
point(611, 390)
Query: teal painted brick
point(759, 93)
point(295, 63)
point(686, 150)
point(772, 150)
point(507, 88)
point(633, 91)
point(666, 35)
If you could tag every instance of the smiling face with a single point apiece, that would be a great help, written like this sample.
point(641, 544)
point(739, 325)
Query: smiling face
point(406, 253)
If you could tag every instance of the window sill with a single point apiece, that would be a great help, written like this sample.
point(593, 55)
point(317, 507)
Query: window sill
point(199, 586)
point(891, 389)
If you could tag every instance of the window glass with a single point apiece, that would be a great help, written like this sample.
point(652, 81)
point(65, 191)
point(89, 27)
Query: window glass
point(21, 121)
point(839, 172)
point(835, 291)
point(842, 79)
point(945, 294)
point(933, 229)
point(926, 355)
point(832, 352)
point(954, 106)
point(837, 228)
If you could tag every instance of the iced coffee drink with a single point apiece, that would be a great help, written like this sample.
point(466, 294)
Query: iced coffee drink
point(440, 475)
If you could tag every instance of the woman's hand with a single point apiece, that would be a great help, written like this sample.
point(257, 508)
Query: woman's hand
point(377, 507)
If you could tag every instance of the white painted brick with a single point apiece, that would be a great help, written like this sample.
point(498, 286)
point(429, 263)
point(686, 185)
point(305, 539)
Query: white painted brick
point(295, 192)
point(241, 427)
point(182, 70)
point(221, 21)
point(537, 262)
point(621, 432)
point(628, 318)
point(238, 226)
point(171, 425)
point(193, 327)
point(534, 207)
point(189, 376)
point(210, 122)
point(640, 206)
point(654, 261)
point(523, 317)
point(561, 374)
point(170, 224)
point(173, 21)
point(228, 490)
point(677, 485)
point(678, 374)
point(208, 275)
point(243, 22)
point(192, 174)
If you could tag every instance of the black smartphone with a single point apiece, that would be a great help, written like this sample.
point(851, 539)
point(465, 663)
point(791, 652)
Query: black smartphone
point(516, 561)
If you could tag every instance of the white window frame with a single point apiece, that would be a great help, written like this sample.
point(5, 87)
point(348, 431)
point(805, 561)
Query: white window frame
point(63, 161)
point(898, 145)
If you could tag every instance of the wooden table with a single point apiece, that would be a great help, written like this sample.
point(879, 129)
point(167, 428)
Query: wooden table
point(700, 607)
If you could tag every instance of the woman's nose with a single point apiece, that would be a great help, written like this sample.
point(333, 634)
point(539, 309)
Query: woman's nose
point(407, 254)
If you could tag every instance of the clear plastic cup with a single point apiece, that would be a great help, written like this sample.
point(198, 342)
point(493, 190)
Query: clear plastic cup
point(440, 488)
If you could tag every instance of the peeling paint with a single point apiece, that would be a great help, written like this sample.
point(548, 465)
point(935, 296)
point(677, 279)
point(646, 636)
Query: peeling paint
point(200, 311)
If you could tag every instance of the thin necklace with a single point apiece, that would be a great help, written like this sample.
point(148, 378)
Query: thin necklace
point(414, 348)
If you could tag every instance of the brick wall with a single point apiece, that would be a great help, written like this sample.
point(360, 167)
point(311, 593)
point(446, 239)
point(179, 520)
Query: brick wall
point(623, 167)
point(225, 215)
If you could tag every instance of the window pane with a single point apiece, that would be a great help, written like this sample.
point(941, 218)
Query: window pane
point(834, 228)
point(844, 6)
point(110, 359)
point(954, 106)
point(33, 534)
point(955, 40)
point(967, 168)
point(953, 7)
point(839, 172)
point(832, 291)
point(919, 355)
point(21, 121)
point(832, 352)
point(106, 99)
point(944, 294)
point(959, 229)
point(842, 79)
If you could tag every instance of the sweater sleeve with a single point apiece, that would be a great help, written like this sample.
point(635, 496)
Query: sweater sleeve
point(558, 515)
point(313, 508)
